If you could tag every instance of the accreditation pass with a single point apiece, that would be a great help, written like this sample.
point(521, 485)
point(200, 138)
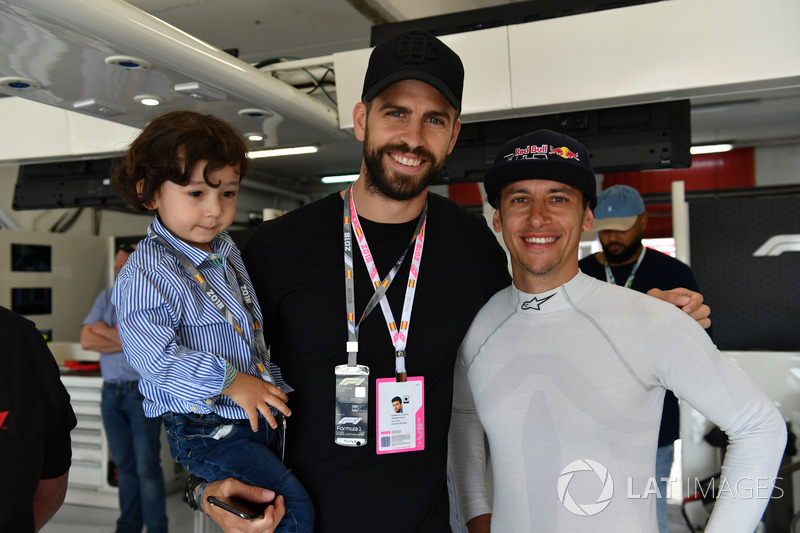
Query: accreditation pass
point(352, 405)
point(400, 413)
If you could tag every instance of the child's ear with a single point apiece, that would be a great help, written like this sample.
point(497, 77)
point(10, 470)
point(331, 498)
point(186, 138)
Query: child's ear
point(151, 205)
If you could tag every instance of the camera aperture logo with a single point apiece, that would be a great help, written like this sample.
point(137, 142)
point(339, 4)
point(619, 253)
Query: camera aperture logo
point(585, 509)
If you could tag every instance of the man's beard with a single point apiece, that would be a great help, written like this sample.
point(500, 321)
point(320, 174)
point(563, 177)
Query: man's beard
point(394, 185)
point(627, 253)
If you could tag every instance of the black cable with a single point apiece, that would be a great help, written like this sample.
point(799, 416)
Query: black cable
point(62, 226)
point(96, 222)
point(273, 60)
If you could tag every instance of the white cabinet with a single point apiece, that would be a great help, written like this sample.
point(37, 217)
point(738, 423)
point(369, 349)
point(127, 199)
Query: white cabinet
point(88, 476)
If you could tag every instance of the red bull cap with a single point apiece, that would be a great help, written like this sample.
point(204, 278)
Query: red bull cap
point(542, 154)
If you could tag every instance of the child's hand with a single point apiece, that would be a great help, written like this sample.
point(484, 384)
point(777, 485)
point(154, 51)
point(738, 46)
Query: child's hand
point(252, 394)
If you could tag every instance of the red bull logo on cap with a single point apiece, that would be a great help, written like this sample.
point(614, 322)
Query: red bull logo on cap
point(531, 149)
point(542, 151)
point(564, 152)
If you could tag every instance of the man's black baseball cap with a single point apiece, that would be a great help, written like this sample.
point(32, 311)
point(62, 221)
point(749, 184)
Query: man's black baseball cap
point(543, 155)
point(415, 55)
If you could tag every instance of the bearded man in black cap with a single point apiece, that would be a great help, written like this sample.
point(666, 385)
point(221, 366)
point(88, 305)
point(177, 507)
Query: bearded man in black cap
point(567, 375)
point(317, 307)
point(379, 309)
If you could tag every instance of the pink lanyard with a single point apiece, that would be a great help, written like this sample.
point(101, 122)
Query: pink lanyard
point(399, 334)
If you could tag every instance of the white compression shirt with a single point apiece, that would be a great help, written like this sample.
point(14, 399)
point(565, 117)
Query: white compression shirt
point(573, 380)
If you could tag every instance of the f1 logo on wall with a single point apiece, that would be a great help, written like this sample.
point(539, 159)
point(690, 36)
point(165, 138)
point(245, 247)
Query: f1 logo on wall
point(777, 244)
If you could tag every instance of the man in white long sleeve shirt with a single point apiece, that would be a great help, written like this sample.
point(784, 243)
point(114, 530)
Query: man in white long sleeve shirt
point(567, 375)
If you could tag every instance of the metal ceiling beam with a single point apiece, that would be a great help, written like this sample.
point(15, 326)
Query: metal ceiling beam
point(116, 27)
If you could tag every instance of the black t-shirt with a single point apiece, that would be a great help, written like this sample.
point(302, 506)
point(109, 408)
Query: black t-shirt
point(296, 263)
point(657, 271)
point(35, 420)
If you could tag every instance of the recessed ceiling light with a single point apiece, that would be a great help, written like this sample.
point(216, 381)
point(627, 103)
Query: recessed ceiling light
point(345, 178)
point(710, 149)
point(255, 113)
point(274, 152)
point(254, 137)
point(19, 84)
point(148, 99)
point(128, 62)
point(99, 107)
point(202, 92)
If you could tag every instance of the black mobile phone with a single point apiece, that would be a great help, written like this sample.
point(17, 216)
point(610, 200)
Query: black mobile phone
point(242, 508)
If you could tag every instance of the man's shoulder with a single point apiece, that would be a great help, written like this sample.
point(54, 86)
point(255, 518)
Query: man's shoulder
point(103, 299)
point(11, 321)
point(498, 307)
point(449, 211)
point(106, 293)
point(591, 266)
point(656, 257)
point(25, 348)
point(490, 317)
point(662, 268)
point(314, 215)
point(610, 302)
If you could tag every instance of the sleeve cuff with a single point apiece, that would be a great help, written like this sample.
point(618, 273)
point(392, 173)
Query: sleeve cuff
point(230, 374)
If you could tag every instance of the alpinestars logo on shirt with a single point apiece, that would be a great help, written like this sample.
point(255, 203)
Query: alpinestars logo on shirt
point(535, 304)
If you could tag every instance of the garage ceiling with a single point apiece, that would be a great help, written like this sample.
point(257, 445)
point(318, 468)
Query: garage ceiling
point(263, 30)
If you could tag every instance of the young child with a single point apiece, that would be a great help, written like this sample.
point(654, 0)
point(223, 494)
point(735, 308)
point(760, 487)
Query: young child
point(187, 313)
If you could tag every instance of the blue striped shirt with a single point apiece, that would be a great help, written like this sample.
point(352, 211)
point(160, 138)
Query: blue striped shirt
point(172, 333)
point(113, 366)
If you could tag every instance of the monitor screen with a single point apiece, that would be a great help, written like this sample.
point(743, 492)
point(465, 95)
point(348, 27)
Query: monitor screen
point(31, 258)
point(32, 301)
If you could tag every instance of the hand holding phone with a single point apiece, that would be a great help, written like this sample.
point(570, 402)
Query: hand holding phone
point(242, 508)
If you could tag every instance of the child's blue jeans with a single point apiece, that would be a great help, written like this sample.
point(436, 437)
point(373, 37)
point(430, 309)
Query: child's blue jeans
point(215, 448)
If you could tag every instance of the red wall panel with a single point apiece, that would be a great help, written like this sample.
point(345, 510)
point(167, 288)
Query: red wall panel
point(725, 170)
point(465, 193)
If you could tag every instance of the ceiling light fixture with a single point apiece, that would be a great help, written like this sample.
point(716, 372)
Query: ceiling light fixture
point(148, 99)
point(19, 84)
point(99, 107)
point(255, 113)
point(254, 137)
point(722, 106)
point(344, 178)
point(128, 62)
point(710, 149)
point(275, 152)
point(195, 89)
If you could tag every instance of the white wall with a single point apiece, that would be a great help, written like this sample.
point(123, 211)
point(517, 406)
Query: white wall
point(80, 268)
point(777, 165)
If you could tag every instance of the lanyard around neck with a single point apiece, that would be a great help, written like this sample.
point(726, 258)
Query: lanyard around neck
point(259, 354)
point(399, 334)
point(610, 275)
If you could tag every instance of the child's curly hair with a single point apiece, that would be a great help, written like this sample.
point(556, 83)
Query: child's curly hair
point(168, 149)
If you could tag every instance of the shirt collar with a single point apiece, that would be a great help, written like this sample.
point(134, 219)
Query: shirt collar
point(221, 244)
point(546, 302)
